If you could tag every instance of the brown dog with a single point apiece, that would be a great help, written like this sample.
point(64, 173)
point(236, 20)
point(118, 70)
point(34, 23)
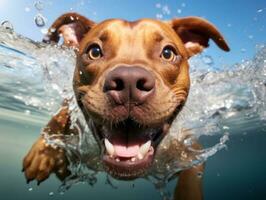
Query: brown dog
point(131, 80)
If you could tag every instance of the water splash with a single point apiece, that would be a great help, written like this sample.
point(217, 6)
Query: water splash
point(37, 77)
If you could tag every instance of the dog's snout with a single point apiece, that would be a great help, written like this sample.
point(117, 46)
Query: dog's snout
point(131, 83)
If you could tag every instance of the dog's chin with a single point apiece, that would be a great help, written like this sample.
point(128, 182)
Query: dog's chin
point(129, 147)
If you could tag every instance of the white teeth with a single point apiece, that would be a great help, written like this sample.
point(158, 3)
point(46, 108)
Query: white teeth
point(133, 159)
point(109, 147)
point(143, 150)
point(117, 160)
point(140, 156)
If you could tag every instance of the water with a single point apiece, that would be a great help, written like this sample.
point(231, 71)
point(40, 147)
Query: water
point(226, 112)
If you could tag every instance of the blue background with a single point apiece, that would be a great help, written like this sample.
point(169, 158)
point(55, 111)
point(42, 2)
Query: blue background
point(241, 22)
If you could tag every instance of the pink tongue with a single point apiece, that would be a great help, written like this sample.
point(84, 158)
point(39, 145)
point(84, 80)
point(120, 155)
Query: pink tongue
point(126, 151)
point(126, 146)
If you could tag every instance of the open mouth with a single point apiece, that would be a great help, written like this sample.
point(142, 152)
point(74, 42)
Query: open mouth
point(129, 148)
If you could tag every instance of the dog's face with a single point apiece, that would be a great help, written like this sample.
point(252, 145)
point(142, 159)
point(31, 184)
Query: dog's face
point(131, 80)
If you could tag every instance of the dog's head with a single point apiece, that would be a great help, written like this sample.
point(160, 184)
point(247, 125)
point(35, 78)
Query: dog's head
point(131, 80)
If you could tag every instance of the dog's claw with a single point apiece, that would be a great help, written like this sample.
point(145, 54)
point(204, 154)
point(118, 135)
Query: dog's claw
point(41, 161)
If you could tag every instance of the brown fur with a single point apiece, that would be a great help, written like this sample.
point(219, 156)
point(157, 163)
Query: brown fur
point(138, 43)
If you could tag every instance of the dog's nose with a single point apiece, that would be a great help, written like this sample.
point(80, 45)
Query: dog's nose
point(134, 84)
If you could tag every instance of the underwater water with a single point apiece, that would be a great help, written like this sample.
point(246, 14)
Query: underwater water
point(226, 112)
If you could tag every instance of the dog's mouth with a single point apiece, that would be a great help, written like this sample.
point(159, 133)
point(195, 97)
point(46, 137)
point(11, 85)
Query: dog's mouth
point(129, 147)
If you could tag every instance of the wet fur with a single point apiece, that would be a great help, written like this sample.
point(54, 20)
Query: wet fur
point(189, 36)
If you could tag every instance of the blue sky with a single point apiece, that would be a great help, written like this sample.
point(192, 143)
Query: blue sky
point(242, 22)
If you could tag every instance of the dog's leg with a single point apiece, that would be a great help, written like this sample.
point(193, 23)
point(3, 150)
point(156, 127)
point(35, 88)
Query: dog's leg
point(43, 159)
point(189, 185)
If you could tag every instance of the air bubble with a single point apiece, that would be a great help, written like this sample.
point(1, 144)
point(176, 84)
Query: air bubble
point(7, 25)
point(39, 20)
point(251, 37)
point(166, 10)
point(27, 112)
point(51, 194)
point(158, 5)
point(226, 128)
point(27, 9)
point(30, 189)
point(44, 31)
point(39, 5)
point(159, 16)
point(199, 174)
point(243, 50)
point(207, 60)
point(260, 10)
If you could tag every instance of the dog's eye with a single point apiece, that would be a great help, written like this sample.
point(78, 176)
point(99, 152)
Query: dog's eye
point(168, 54)
point(94, 52)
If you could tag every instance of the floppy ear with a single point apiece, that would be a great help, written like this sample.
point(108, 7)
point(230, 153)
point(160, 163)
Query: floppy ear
point(195, 33)
point(71, 26)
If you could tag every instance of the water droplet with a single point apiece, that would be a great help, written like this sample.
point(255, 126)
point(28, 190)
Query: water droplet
point(226, 128)
point(179, 11)
point(207, 60)
point(166, 10)
point(52, 30)
point(7, 25)
point(251, 37)
point(27, 112)
point(188, 142)
point(27, 9)
point(159, 16)
point(44, 31)
point(260, 10)
point(183, 5)
point(200, 174)
point(51, 194)
point(39, 5)
point(30, 189)
point(229, 25)
point(243, 50)
point(39, 20)
point(158, 5)
point(183, 154)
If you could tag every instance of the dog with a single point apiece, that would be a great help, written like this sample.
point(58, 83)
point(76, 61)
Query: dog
point(131, 80)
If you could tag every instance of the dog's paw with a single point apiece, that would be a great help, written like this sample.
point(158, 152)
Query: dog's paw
point(42, 160)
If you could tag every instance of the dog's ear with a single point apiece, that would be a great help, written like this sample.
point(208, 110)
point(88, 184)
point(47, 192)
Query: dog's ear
point(71, 26)
point(195, 33)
